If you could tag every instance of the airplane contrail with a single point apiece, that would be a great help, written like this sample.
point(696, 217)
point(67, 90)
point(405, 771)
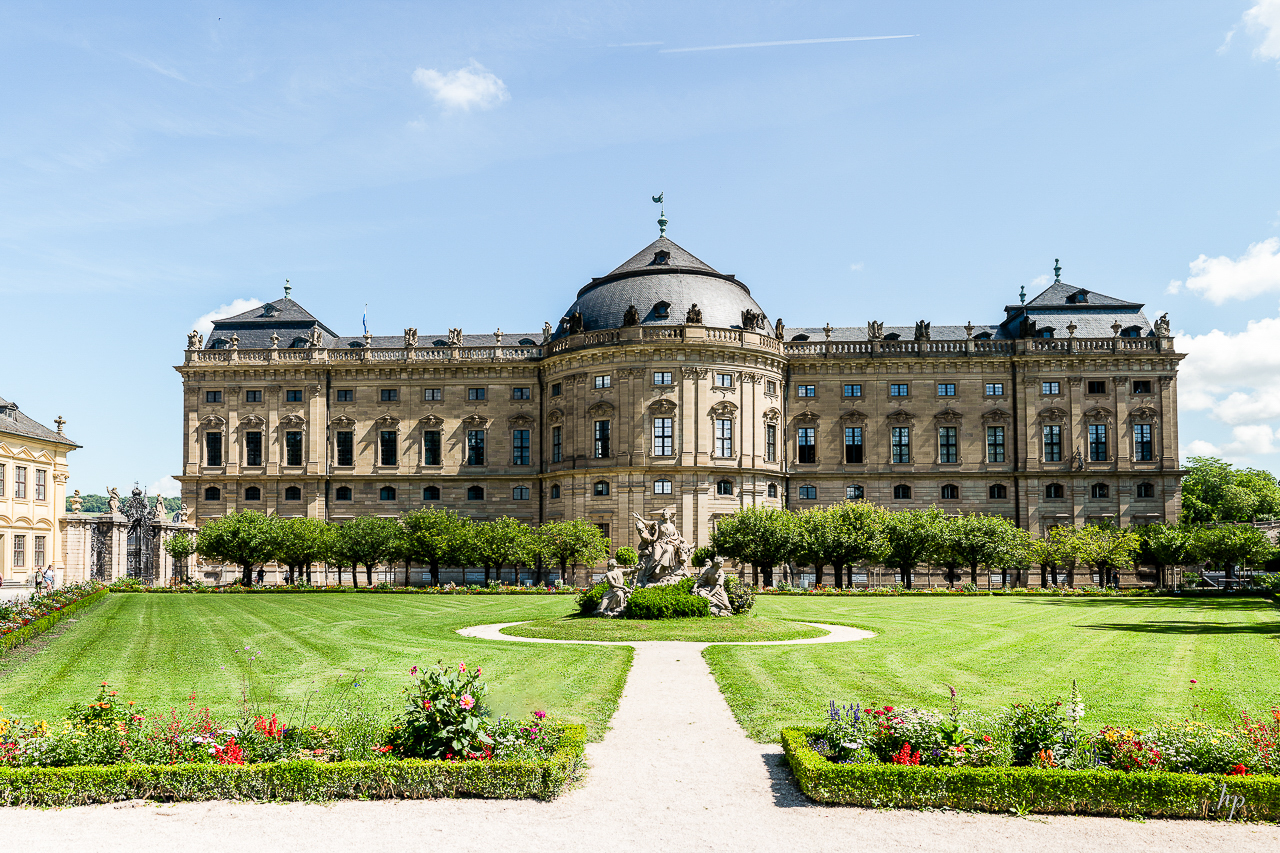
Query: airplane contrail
point(777, 43)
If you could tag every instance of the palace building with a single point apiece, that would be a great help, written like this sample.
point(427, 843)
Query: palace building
point(33, 478)
point(665, 385)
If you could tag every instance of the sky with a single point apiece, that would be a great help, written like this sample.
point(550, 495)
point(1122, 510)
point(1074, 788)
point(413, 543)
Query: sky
point(473, 164)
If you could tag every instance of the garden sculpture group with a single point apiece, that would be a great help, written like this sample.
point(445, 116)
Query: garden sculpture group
point(664, 559)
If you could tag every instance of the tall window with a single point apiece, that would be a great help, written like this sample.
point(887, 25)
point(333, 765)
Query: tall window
point(1053, 443)
point(1, 481)
point(557, 445)
point(556, 389)
point(663, 437)
point(555, 491)
point(37, 552)
point(293, 447)
point(807, 450)
point(947, 451)
point(213, 448)
point(475, 447)
point(853, 444)
point(662, 487)
point(520, 447)
point(724, 437)
point(387, 447)
point(772, 490)
point(770, 443)
point(900, 439)
point(431, 447)
point(995, 444)
point(20, 482)
point(602, 439)
point(344, 443)
point(19, 551)
point(1142, 451)
point(1097, 442)
point(253, 448)
point(40, 483)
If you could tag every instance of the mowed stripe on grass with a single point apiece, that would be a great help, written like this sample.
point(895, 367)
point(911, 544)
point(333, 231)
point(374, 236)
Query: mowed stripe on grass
point(1134, 659)
point(160, 649)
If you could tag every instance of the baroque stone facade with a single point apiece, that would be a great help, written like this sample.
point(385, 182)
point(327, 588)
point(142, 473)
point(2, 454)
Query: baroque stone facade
point(33, 478)
point(665, 386)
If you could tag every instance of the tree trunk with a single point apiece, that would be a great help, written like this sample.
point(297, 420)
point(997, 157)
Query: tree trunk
point(767, 572)
point(355, 576)
point(564, 571)
point(906, 577)
point(435, 572)
point(755, 576)
point(1004, 576)
point(308, 574)
point(817, 574)
point(246, 576)
point(837, 569)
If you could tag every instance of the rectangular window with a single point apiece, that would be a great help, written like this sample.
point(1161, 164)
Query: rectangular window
point(557, 445)
point(900, 437)
point(519, 393)
point(604, 381)
point(19, 551)
point(1097, 442)
point(898, 390)
point(1142, 450)
point(346, 395)
point(213, 396)
point(662, 377)
point(520, 447)
point(475, 447)
point(663, 437)
point(40, 484)
point(770, 443)
point(389, 395)
point(724, 380)
point(1053, 443)
point(946, 389)
point(1, 481)
point(724, 437)
point(806, 390)
point(853, 390)
point(808, 493)
point(19, 482)
point(431, 447)
point(853, 444)
point(947, 450)
point(253, 449)
point(432, 395)
point(520, 493)
point(1049, 388)
point(602, 439)
point(995, 389)
point(213, 448)
point(770, 387)
point(995, 444)
point(556, 389)
point(475, 393)
point(293, 447)
point(38, 552)
point(662, 487)
point(253, 396)
point(1142, 386)
point(293, 396)
point(346, 448)
point(1097, 386)
point(807, 450)
point(387, 447)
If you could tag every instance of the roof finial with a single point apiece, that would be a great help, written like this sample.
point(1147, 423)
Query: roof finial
point(287, 289)
point(662, 215)
point(1022, 297)
point(1057, 271)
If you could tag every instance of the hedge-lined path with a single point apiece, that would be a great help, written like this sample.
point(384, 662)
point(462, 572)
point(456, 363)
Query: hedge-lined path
point(675, 772)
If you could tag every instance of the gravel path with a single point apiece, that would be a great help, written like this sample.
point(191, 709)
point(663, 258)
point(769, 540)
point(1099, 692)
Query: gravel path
point(675, 772)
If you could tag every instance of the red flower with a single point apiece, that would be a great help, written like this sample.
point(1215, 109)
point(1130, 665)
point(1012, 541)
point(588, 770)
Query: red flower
point(1238, 770)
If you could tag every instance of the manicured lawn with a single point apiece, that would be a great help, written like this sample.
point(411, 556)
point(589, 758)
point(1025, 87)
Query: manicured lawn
point(1134, 659)
point(730, 629)
point(160, 649)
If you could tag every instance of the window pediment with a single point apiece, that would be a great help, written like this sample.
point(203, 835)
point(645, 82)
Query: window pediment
point(663, 406)
point(996, 416)
point(388, 420)
point(520, 421)
point(342, 422)
point(900, 416)
point(1144, 413)
point(252, 421)
point(806, 417)
point(555, 416)
point(723, 409)
point(293, 420)
point(1100, 413)
point(475, 421)
point(431, 421)
point(949, 416)
point(853, 416)
point(1053, 413)
point(213, 421)
point(601, 409)
point(771, 415)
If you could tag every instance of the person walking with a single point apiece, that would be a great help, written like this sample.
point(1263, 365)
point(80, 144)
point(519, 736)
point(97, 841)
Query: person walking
point(38, 580)
point(48, 578)
point(262, 574)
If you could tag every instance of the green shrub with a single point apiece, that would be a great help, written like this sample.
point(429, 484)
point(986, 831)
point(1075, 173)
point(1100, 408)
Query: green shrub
point(1036, 726)
point(589, 599)
point(673, 601)
point(741, 596)
point(443, 715)
point(701, 556)
point(627, 556)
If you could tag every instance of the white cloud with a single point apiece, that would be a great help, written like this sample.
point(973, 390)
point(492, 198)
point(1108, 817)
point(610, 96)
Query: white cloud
point(856, 267)
point(204, 325)
point(473, 86)
point(1265, 18)
point(166, 488)
point(1200, 448)
point(1218, 279)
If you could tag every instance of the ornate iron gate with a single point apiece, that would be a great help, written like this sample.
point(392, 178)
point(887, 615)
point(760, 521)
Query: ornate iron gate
point(141, 542)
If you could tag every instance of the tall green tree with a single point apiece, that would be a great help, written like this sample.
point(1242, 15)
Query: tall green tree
point(496, 543)
point(300, 542)
point(435, 537)
point(1216, 491)
point(914, 536)
point(974, 539)
point(568, 543)
point(1056, 553)
point(841, 535)
point(1163, 546)
point(765, 537)
point(245, 538)
point(1230, 546)
point(367, 540)
point(1107, 548)
point(180, 547)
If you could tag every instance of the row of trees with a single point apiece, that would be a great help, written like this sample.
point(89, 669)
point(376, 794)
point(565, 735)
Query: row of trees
point(427, 537)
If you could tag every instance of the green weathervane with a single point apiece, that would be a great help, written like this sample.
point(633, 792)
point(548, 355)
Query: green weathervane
point(662, 215)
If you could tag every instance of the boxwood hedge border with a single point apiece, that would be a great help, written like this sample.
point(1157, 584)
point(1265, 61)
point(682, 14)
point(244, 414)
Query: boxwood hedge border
point(1030, 790)
point(298, 781)
point(33, 629)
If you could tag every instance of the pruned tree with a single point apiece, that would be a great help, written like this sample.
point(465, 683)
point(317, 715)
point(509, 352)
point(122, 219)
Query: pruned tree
point(765, 537)
point(180, 547)
point(1162, 546)
point(435, 537)
point(1230, 546)
point(496, 543)
point(913, 537)
point(974, 539)
point(246, 539)
point(1107, 548)
point(299, 543)
point(367, 540)
point(1054, 552)
point(841, 536)
point(568, 543)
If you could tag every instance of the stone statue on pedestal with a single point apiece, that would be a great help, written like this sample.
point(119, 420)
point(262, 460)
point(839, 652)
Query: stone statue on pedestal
point(615, 597)
point(664, 554)
point(76, 501)
point(710, 586)
point(113, 499)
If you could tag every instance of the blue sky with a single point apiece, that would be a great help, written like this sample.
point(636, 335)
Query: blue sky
point(472, 165)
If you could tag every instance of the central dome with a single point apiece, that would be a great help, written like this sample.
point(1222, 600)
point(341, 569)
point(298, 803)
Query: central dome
point(663, 282)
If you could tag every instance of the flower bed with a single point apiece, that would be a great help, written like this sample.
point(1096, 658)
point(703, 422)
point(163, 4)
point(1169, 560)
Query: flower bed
point(21, 621)
point(378, 589)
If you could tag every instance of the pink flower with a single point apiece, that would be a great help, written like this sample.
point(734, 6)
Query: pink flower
point(1193, 681)
point(413, 671)
point(541, 715)
point(462, 667)
point(467, 702)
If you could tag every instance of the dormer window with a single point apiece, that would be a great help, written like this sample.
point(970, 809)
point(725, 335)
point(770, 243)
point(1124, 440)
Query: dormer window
point(1131, 332)
point(439, 343)
point(982, 336)
point(270, 310)
point(300, 343)
point(892, 336)
point(662, 256)
point(525, 342)
point(218, 343)
point(1046, 332)
point(799, 337)
point(1080, 297)
point(356, 344)
point(661, 310)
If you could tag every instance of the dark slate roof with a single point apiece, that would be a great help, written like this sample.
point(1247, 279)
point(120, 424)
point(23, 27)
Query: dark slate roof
point(1056, 294)
point(1093, 319)
point(286, 310)
point(284, 317)
point(678, 257)
point(904, 333)
point(14, 422)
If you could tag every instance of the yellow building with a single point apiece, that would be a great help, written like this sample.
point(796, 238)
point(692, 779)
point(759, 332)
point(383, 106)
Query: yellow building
point(33, 479)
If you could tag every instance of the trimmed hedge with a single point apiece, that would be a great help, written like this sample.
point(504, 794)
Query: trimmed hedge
point(1028, 789)
point(28, 632)
point(671, 601)
point(292, 781)
point(1094, 592)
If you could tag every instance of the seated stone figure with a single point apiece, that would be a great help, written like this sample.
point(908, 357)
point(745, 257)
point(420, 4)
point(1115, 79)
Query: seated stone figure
point(615, 597)
point(710, 586)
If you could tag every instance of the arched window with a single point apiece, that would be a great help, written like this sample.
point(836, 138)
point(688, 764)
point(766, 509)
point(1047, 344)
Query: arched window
point(1100, 490)
point(601, 488)
point(253, 493)
point(1131, 332)
point(1146, 490)
point(997, 492)
point(520, 493)
point(662, 487)
point(902, 492)
point(213, 493)
point(773, 490)
point(431, 493)
point(293, 493)
point(475, 493)
point(555, 490)
point(343, 493)
point(387, 493)
point(1053, 491)
point(951, 492)
point(218, 343)
point(724, 487)
point(854, 493)
point(300, 343)
point(808, 493)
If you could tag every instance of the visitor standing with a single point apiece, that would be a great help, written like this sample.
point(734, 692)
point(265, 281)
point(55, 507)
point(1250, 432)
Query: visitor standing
point(39, 580)
point(262, 575)
point(48, 578)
